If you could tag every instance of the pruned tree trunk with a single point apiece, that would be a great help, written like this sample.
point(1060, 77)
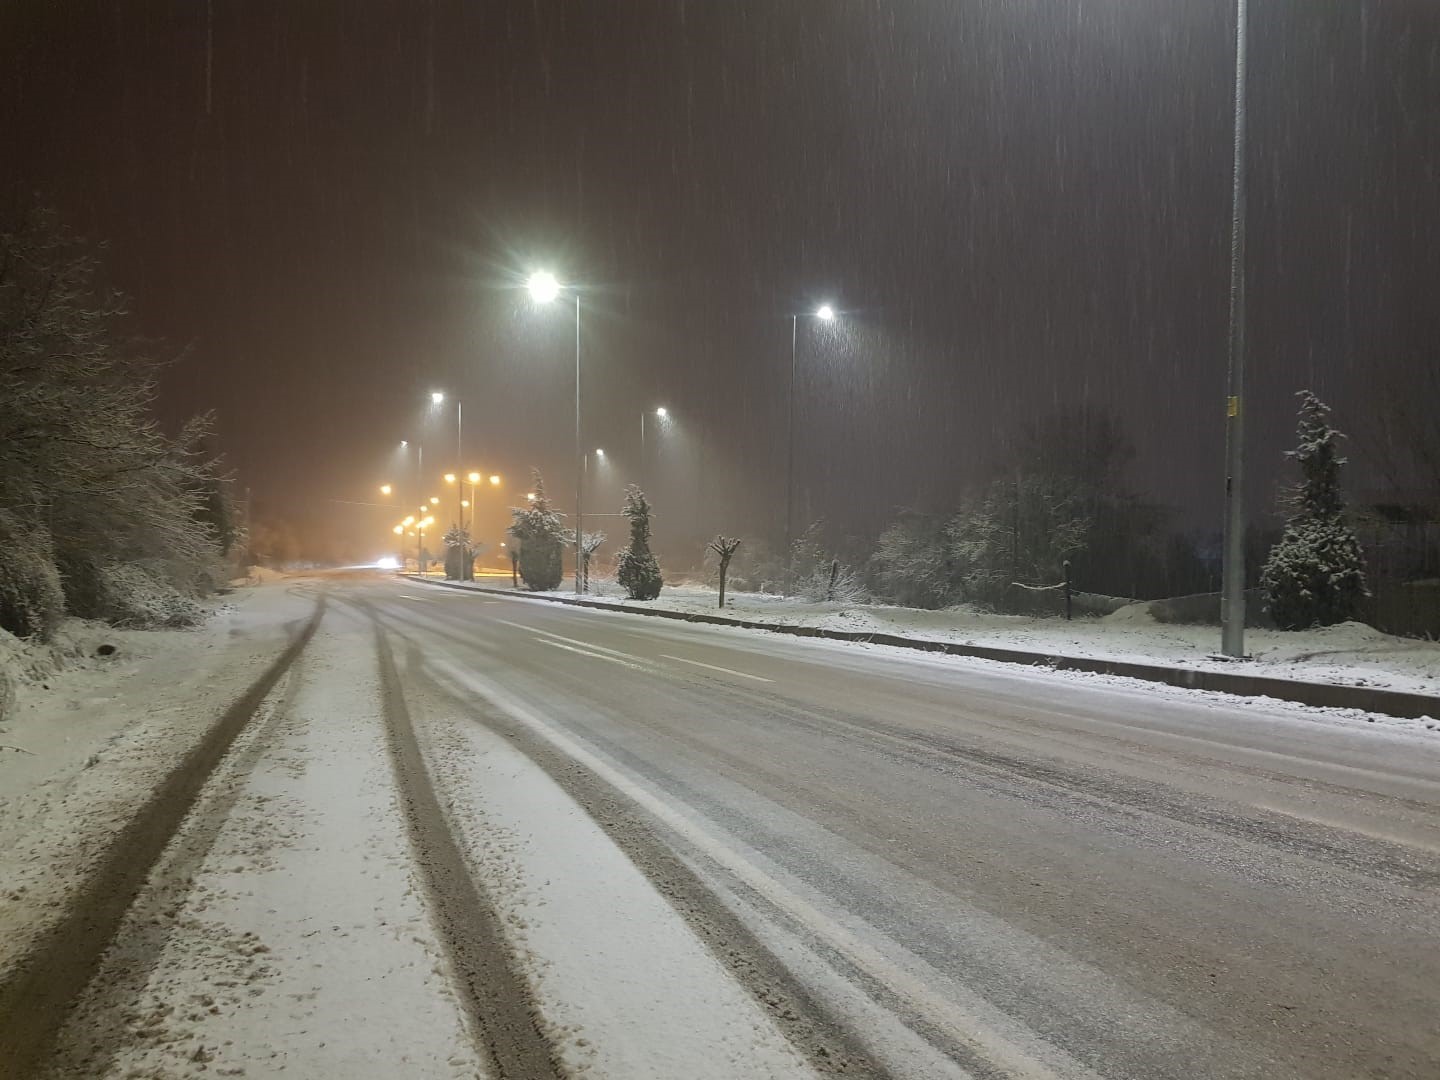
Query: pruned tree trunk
point(724, 547)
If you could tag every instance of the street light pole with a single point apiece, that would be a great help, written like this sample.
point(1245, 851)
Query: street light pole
point(459, 462)
point(790, 453)
point(543, 288)
point(1232, 594)
point(661, 413)
point(579, 453)
point(826, 313)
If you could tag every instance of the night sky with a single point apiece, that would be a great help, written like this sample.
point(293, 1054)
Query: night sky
point(1017, 204)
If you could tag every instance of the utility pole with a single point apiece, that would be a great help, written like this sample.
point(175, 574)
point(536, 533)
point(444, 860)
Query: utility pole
point(1232, 595)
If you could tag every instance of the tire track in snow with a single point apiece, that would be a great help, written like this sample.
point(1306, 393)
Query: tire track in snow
point(36, 1001)
point(496, 994)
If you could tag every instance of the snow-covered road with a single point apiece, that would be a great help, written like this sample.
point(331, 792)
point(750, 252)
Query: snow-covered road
point(468, 835)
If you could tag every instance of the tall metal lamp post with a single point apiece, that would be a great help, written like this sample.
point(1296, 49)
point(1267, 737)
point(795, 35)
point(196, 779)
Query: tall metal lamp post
point(545, 287)
point(825, 313)
point(1232, 588)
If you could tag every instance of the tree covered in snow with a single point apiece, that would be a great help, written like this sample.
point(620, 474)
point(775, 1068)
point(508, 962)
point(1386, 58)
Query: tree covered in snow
point(589, 544)
point(538, 531)
point(635, 566)
point(459, 554)
point(912, 564)
point(81, 455)
point(31, 599)
point(1315, 575)
point(1020, 532)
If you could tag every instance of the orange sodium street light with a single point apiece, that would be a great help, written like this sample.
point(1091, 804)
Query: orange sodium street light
point(384, 489)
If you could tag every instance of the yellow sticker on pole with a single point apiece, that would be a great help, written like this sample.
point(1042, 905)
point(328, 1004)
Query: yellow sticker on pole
point(1232, 405)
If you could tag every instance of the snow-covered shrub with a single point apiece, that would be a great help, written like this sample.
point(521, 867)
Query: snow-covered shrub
point(1021, 531)
point(1315, 575)
point(818, 575)
point(138, 598)
point(831, 582)
point(635, 565)
point(912, 562)
point(538, 534)
point(32, 601)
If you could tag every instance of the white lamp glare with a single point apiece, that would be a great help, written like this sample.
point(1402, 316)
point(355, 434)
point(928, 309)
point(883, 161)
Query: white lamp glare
point(543, 286)
point(826, 312)
point(436, 398)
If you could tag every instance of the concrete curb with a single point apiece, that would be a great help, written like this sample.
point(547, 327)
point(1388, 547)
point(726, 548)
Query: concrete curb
point(1325, 695)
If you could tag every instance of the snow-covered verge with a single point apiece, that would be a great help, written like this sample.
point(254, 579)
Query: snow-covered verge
point(1350, 654)
point(284, 929)
point(91, 735)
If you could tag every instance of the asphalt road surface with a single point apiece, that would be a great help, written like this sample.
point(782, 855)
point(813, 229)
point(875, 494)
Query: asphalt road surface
point(944, 863)
point(788, 858)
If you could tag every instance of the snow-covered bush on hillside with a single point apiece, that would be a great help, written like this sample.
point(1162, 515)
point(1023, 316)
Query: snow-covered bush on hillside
point(31, 599)
point(138, 598)
point(1315, 575)
point(82, 459)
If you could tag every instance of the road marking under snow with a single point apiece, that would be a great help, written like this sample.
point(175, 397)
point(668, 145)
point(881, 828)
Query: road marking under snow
point(422, 599)
point(593, 655)
point(717, 667)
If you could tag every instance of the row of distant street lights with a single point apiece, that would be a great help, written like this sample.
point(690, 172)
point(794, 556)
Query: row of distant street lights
point(475, 478)
point(544, 288)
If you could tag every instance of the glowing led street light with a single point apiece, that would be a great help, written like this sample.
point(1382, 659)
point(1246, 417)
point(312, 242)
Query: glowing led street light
point(543, 286)
point(826, 312)
point(662, 412)
point(494, 481)
point(385, 489)
point(474, 477)
point(437, 398)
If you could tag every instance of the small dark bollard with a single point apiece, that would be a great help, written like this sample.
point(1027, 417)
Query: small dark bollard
point(1067, 590)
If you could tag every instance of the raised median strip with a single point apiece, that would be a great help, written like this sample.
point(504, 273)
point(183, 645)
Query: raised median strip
point(1325, 695)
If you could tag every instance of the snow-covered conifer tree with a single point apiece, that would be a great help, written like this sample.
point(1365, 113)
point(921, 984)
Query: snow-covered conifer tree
point(1315, 575)
point(636, 568)
point(538, 532)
